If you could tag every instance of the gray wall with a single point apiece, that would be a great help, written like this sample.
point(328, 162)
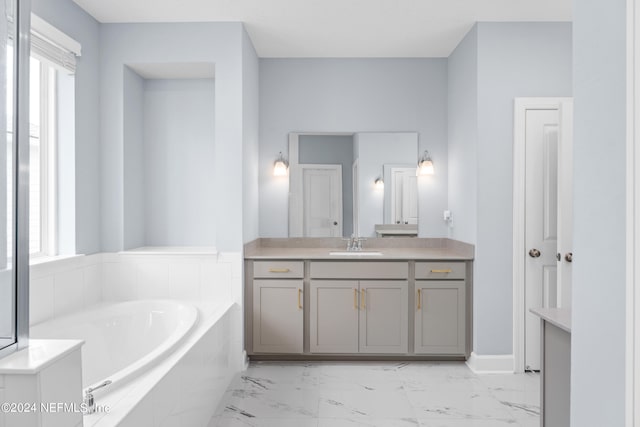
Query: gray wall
point(179, 200)
point(598, 305)
point(514, 60)
point(219, 43)
point(134, 160)
point(332, 149)
point(463, 137)
point(352, 95)
point(69, 18)
point(250, 138)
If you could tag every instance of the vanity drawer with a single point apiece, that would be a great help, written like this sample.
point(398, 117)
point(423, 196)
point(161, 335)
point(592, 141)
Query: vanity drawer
point(279, 269)
point(440, 270)
point(359, 270)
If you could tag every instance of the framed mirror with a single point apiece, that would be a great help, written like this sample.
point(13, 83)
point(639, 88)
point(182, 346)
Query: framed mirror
point(332, 183)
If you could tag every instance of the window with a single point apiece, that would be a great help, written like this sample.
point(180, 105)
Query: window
point(42, 188)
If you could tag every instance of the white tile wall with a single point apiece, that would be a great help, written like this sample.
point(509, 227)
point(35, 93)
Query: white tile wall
point(68, 291)
point(62, 382)
point(184, 279)
point(62, 286)
point(201, 277)
point(41, 299)
point(188, 394)
point(2, 420)
point(21, 388)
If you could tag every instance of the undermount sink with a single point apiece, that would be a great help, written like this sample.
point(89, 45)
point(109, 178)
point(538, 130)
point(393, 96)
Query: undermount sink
point(355, 253)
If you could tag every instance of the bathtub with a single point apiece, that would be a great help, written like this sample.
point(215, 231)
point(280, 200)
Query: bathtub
point(170, 361)
point(122, 339)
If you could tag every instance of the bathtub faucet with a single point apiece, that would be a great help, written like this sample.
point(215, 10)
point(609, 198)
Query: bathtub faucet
point(88, 397)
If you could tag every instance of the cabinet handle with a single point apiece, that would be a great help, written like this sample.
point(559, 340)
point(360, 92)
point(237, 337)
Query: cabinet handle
point(299, 303)
point(364, 300)
point(441, 271)
point(419, 299)
point(355, 299)
point(279, 270)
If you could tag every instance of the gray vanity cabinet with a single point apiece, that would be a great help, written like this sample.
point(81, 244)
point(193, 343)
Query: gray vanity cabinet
point(278, 312)
point(393, 307)
point(358, 316)
point(383, 316)
point(440, 318)
point(349, 316)
point(333, 316)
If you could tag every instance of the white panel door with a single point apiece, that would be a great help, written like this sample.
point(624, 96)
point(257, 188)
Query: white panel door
point(322, 200)
point(404, 196)
point(541, 229)
point(410, 198)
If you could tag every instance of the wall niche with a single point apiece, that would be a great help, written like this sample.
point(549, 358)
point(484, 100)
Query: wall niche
point(169, 153)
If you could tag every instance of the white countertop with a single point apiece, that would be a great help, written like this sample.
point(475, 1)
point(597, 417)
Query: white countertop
point(37, 356)
point(560, 317)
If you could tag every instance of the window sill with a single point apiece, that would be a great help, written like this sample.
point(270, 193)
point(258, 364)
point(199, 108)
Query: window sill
point(43, 260)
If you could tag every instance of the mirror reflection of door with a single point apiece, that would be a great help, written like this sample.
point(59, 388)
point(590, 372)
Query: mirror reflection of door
point(322, 200)
point(404, 196)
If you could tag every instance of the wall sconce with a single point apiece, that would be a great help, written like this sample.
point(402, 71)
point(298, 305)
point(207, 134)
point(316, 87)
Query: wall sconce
point(425, 165)
point(280, 166)
point(379, 183)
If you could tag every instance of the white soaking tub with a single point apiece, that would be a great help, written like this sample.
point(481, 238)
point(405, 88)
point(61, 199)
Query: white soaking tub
point(122, 339)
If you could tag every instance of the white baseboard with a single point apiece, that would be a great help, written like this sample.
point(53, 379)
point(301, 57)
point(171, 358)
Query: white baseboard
point(491, 364)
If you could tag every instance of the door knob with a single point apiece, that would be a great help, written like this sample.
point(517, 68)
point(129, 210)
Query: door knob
point(568, 257)
point(335, 222)
point(534, 253)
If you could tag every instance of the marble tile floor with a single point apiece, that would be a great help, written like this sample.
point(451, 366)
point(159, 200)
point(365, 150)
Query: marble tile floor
point(377, 394)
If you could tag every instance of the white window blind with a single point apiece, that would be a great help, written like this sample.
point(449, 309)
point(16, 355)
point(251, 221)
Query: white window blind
point(51, 45)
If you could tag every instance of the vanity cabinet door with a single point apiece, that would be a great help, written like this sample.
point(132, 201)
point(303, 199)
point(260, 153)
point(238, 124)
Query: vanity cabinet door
point(440, 317)
point(333, 320)
point(278, 316)
point(383, 316)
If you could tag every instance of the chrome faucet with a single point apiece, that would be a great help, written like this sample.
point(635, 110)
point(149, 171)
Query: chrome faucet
point(89, 402)
point(354, 243)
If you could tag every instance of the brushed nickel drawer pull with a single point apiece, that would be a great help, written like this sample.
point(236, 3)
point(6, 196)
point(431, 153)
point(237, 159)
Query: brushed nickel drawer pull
point(355, 299)
point(299, 303)
point(448, 270)
point(419, 299)
point(279, 270)
point(364, 300)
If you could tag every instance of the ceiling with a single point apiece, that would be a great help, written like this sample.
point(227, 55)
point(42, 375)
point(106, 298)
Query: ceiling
point(339, 28)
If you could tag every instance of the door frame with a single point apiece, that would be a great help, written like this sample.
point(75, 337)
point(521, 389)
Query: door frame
point(632, 362)
point(521, 105)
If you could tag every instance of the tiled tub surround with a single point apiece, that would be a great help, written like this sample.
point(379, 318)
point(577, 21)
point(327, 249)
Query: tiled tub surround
point(66, 285)
point(184, 388)
point(42, 376)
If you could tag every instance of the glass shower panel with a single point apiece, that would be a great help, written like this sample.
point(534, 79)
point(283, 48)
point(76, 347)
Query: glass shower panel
point(8, 289)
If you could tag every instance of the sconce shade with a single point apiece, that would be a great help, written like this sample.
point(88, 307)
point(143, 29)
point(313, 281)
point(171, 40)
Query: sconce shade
point(280, 166)
point(379, 183)
point(425, 165)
